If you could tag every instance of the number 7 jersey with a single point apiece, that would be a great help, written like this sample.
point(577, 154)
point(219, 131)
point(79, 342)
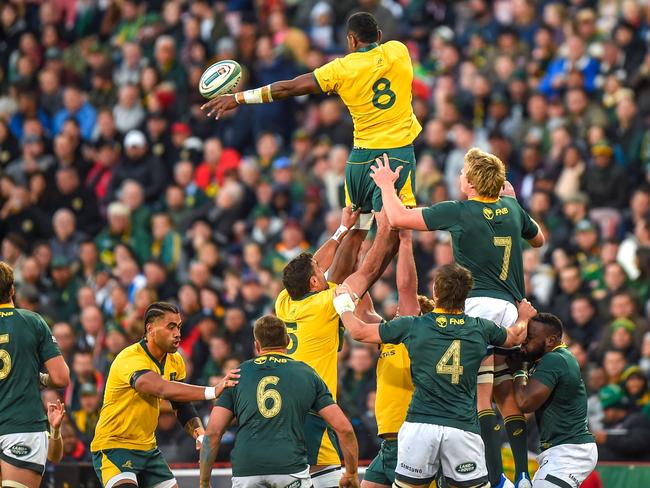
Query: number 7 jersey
point(375, 84)
point(487, 237)
point(315, 331)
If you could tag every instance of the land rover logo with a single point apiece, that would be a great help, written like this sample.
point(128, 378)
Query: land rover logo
point(465, 468)
point(19, 450)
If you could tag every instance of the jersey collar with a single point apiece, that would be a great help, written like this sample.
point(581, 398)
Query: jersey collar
point(307, 295)
point(561, 345)
point(485, 199)
point(447, 311)
point(7, 305)
point(275, 353)
point(160, 365)
point(369, 47)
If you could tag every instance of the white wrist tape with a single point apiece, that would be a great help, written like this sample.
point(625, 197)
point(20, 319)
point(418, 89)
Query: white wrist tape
point(256, 95)
point(344, 303)
point(210, 393)
point(339, 232)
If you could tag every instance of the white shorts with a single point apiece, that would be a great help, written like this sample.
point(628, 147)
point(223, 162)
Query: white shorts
point(297, 480)
point(26, 450)
point(422, 448)
point(501, 312)
point(327, 478)
point(565, 466)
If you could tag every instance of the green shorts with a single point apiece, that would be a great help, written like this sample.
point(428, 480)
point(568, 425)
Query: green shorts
point(321, 443)
point(361, 190)
point(382, 469)
point(149, 468)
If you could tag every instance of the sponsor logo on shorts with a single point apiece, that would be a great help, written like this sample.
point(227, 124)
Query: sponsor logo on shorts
point(518, 432)
point(409, 468)
point(574, 479)
point(465, 468)
point(20, 450)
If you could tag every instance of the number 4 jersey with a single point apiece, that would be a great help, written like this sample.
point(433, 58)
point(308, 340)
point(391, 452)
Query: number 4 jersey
point(487, 240)
point(26, 343)
point(375, 84)
point(271, 401)
point(446, 350)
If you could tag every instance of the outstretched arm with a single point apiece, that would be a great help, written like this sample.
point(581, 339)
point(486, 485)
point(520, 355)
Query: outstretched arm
point(399, 216)
point(359, 329)
point(300, 85)
point(407, 277)
point(509, 191)
point(325, 254)
point(220, 419)
point(153, 384)
point(55, 414)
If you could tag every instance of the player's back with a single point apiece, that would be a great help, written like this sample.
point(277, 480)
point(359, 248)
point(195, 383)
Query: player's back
point(394, 388)
point(487, 239)
point(375, 84)
point(273, 397)
point(315, 331)
point(446, 350)
point(25, 345)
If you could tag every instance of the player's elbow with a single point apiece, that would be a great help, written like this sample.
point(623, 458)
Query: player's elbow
point(538, 241)
point(525, 406)
point(60, 376)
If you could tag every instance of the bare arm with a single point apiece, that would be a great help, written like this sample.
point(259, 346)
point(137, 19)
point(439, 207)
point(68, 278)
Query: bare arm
point(58, 373)
point(335, 417)
point(407, 278)
point(360, 330)
point(300, 85)
point(220, 419)
point(325, 254)
point(531, 396)
point(55, 414)
point(399, 216)
point(538, 240)
point(152, 383)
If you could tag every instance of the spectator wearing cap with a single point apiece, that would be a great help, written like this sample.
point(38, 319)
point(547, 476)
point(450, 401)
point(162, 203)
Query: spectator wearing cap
point(626, 434)
point(181, 136)
point(217, 161)
point(575, 58)
point(121, 230)
point(85, 419)
point(79, 199)
point(128, 112)
point(604, 182)
point(139, 165)
point(635, 385)
point(75, 106)
point(157, 131)
point(619, 336)
point(62, 297)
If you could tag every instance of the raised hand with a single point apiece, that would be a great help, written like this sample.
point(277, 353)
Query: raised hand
point(526, 310)
point(349, 217)
point(230, 380)
point(55, 413)
point(383, 176)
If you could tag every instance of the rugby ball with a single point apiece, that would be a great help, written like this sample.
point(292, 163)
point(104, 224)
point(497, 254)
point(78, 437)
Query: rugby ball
point(220, 78)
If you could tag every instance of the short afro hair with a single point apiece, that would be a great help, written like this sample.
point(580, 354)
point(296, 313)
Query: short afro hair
point(364, 26)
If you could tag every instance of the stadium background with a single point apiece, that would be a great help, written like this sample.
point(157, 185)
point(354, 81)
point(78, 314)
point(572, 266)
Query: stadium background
point(115, 190)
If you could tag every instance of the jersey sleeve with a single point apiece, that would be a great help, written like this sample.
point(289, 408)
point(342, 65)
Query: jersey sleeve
point(548, 371)
point(280, 305)
point(396, 331)
point(442, 216)
point(494, 335)
point(47, 348)
point(180, 367)
point(130, 368)
point(226, 400)
point(323, 397)
point(329, 76)
point(528, 227)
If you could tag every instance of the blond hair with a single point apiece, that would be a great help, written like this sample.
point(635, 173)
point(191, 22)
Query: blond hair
point(485, 171)
point(426, 304)
point(6, 282)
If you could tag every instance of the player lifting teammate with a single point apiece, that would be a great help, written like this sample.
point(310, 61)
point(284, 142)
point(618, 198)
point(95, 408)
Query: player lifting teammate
point(270, 402)
point(446, 347)
point(487, 233)
point(26, 346)
point(124, 447)
point(374, 81)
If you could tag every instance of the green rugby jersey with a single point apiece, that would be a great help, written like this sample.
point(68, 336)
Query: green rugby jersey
point(487, 240)
point(274, 395)
point(563, 418)
point(26, 343)
point(446, 350)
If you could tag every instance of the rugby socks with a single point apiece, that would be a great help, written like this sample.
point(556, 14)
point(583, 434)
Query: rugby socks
point(516, 430)
point(490, 433)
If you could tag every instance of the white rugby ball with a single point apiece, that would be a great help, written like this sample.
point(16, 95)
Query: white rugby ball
point(220, 78)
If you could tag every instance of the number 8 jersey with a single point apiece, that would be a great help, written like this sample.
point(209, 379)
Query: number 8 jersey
point(487, 237)
point(375, 84)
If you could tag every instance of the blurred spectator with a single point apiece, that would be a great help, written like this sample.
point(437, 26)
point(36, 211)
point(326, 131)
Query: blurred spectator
point(85, 419)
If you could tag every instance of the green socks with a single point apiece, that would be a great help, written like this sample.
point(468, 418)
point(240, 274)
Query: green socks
point(490, 433)
point(516, 430)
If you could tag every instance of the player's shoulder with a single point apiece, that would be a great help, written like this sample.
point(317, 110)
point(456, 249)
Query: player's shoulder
point(27, 315)
point(396, 46)
point(129, 353)
point(557, 358)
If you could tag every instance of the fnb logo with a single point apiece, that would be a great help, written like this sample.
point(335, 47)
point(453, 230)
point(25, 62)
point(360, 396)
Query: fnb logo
point(454, 321)
point(502, 211)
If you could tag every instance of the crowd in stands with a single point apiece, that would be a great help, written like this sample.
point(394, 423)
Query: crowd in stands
point(116, 190)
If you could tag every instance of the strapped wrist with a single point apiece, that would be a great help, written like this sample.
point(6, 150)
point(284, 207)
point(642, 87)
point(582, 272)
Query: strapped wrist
point(344, 303)
point(339, 232)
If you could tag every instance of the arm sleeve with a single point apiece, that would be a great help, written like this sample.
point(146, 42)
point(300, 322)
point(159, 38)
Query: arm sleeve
point(227, 399)
point(48, 347)
point(528, 227)
point(442, 216)
point(323, 397)
point(548, 371)
point(328, 77)
point(494, 335)
point(395, 331)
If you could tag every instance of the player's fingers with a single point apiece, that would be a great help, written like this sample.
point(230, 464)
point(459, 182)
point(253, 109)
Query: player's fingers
point(397, 171)
point(386, 162)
